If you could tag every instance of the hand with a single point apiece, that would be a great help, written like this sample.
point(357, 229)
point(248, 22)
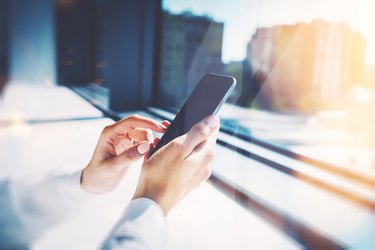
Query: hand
point(180, 166)
point(119, 145)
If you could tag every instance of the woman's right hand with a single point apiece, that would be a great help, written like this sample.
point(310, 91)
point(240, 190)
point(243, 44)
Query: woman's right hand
point(180, 166)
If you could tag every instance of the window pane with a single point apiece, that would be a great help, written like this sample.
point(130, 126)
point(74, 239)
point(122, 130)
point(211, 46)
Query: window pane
point(101, 24)
point(305, 71)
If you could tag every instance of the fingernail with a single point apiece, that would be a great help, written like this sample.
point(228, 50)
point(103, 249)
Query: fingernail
point(143, 148)
point(162, 126)
point(212, 121)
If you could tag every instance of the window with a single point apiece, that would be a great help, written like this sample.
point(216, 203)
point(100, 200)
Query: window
point(297, 130)
point(100, 46)
point(291, 89)
point(295, 109)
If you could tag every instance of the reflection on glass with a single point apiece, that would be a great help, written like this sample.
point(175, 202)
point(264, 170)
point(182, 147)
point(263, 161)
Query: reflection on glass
point(191, 44)
point(100, 62)
point(306, 71)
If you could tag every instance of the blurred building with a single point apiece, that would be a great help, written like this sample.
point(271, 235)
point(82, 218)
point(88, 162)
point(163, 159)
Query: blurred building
point(191, 47)
point(307, 65)
point(370, 76)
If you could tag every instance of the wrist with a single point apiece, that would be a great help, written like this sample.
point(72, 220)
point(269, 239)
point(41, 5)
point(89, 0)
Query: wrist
point(155, 197)
point(83, 181)
point(69, 184)
point(86, 184)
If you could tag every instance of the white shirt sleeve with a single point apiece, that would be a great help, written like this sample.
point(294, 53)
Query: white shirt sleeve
point(41, 202)
point(142, 227)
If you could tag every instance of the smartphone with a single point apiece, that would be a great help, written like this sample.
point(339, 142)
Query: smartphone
point(206, 99)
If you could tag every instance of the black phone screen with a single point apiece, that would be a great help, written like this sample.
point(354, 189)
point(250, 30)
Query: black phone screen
point(206, 99)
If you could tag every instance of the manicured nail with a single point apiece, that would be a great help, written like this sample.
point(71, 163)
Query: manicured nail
point(212, 121)
point(162, 126)
point(143, 148)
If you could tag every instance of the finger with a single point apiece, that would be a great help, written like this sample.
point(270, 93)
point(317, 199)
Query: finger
point(140, 134)
point(156, 141)
point(153, 145)
point(205, 151)
point(130, 155)
point(199, 133)
point(166, 123)
point(134, 121)
point(121, 142)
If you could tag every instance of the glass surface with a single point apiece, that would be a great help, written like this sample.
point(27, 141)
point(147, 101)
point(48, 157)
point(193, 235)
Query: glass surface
point(100, 47)
point(305, 71)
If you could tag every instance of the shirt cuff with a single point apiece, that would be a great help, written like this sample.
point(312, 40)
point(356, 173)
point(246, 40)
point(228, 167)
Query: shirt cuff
point(40, 201)
point(69, 185)
point(143, 224)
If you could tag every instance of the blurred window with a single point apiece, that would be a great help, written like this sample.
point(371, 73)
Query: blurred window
point(305, 72)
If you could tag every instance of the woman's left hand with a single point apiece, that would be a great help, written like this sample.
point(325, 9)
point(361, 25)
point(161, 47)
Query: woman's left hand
point(120, 144)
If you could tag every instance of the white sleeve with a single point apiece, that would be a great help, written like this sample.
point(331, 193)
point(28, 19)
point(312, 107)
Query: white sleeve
point(142, 226)
point(41, 202)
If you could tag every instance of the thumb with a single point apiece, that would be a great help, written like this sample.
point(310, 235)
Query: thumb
point(153, 145)
point(131, 155)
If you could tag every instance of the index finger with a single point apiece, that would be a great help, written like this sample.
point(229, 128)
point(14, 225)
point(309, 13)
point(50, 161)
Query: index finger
point(136, 121)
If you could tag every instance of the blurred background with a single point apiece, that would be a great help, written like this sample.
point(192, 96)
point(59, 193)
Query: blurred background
point(303, 106)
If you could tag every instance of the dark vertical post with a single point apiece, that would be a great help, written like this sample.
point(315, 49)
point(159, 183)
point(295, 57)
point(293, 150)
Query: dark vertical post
point(4, 40)
point(131, 52)
point(75, 41)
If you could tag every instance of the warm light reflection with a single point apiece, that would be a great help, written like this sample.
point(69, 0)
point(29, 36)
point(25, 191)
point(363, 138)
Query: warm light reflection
point(361, 108)
point(363, 95)
point(307, 66)
point(19, 128)
point(306, 70)
point(11, 115)
point(48, 82)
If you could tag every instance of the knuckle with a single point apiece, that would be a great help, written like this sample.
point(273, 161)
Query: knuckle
point(177, 146)
point(149, 135)
point(201, 129)
point(210, 155)
point(107, 128)
point(147, 132)
point(207, 171)
point(134, 117)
